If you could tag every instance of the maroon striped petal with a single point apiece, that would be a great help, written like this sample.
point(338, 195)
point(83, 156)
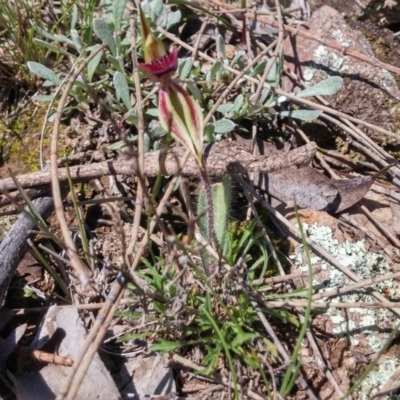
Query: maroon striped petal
point(161, 67)
point(181, 115)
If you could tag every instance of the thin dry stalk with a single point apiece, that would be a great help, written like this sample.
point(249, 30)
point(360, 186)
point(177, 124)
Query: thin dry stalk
point(333, 304)
point(270, 246)
point(381, 227)
point(140, 166)
point(390, 386)
point(198, 39)
point(93, 306)
point(278, 279)
point(351, 221)
point(281, 350)
point(190, 364)
point(58, 206)
point(320, 361)
point(91, 351)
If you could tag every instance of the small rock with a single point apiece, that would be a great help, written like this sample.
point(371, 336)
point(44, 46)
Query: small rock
point(46, 383)
point(145, 377)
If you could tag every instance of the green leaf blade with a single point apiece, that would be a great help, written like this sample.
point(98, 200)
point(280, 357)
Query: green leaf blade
point(326, 87)
point(104, 33)
point(43, 72)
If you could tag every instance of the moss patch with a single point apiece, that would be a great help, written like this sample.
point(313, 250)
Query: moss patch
point(20, 141)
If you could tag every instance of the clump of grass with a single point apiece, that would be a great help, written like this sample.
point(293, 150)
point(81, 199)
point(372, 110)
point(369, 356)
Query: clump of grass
point(17, 45)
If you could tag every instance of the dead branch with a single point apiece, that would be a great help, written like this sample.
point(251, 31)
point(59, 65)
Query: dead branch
point(223, 157)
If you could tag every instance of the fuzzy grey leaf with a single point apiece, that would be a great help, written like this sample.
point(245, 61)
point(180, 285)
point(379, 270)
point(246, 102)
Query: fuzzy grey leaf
point(122, 89)
point(156, 8)
point(43, 72)
point(223, 126)
point(184, 68)
point(221, 46)
point(94, 63)
point(303, 115)
point(77, 41)
point(173, 18)
point(104, 33)
point(51, 47)
point(118, 12)
point(326, 87)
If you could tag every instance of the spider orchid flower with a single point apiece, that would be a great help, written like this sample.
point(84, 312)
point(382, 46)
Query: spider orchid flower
point(159, 66)
point(180, 114)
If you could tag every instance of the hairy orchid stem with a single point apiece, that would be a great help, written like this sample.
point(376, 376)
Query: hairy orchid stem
point(205, 179)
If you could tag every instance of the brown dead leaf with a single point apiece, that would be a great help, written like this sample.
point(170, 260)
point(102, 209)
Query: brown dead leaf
point(310, 188)
point(337, 349)
point(352, 191)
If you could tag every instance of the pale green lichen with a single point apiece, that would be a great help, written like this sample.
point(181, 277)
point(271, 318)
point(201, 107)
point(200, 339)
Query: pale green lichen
point(366, 265)
point(358, 324)
point(372, 383)
point(328, 58)
point(338, 35)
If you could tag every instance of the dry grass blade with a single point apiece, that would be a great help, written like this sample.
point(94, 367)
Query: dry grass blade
point(58, 206)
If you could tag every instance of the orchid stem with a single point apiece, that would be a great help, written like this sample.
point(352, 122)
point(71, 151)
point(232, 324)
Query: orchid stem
point(209, 203)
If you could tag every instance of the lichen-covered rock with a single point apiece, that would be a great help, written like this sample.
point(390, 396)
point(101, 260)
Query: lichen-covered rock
point(381, 12)
point(365, 331)
point(369, 93)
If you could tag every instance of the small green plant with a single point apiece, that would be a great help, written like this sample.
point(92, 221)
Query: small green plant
point(17, 44)
point(220, 322)
point(221, 200)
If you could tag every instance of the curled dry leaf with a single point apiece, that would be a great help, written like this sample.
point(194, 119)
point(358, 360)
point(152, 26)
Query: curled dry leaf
point(311, 189)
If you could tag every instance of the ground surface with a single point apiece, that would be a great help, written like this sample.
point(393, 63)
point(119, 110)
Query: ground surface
point(250, 322)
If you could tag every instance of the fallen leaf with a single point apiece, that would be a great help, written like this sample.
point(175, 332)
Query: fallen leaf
point(352, 191)
point(306, 186)
point(310, 188)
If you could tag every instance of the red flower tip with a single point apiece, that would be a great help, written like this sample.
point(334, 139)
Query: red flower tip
point(162, 66)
